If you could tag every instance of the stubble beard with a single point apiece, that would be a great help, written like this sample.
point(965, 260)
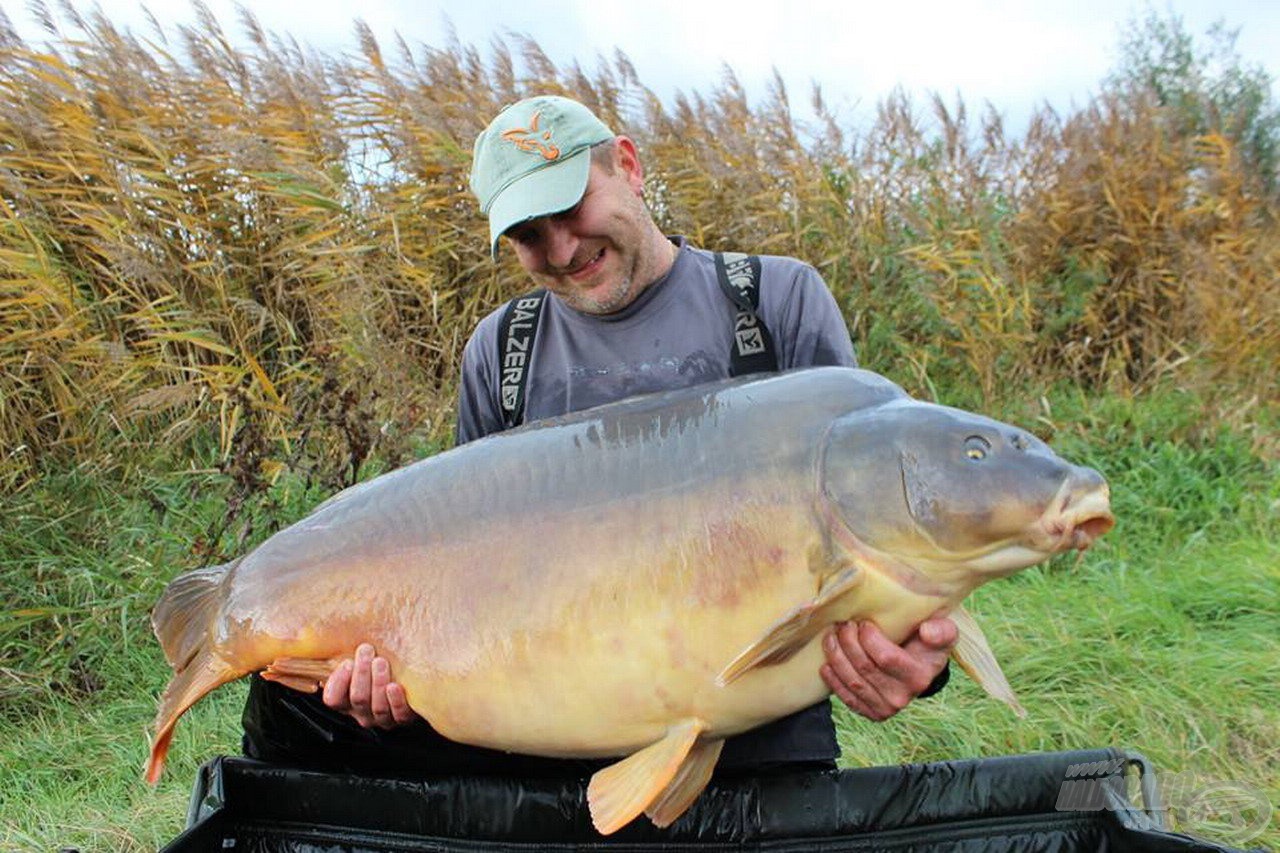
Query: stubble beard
point(618, 297)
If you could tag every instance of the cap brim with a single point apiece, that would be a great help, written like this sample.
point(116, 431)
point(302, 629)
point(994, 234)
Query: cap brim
point(551, 189)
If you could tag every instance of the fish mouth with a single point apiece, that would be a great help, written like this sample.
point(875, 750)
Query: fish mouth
point(1076, 517)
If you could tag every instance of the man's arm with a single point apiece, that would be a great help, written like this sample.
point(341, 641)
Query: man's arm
point(802, 316)
point(479, 407)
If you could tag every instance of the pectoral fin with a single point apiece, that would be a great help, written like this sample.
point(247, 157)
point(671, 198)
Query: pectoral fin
point(794, 631)
point(620, 792)
point(976, 658)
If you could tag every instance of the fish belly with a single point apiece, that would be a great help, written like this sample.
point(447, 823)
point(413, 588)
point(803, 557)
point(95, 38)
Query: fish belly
point(583, 662)
point(611, 668)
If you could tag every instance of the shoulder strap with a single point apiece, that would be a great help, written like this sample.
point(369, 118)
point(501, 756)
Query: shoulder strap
point(752, 349)
point(516, 334)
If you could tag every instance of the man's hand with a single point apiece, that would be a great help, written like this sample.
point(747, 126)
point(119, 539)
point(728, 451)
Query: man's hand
point(364, 690)
point(876, 677)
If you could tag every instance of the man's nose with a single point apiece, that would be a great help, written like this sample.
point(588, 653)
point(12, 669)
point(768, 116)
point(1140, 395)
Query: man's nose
point(561, 244)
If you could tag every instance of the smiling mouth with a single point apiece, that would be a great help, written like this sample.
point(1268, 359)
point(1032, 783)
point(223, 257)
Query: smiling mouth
point(586, 269)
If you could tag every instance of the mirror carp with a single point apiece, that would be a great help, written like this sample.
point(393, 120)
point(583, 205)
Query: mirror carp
point(642, 579)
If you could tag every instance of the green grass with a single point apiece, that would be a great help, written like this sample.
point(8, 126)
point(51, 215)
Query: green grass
point(1165, 638)
point(82, 561)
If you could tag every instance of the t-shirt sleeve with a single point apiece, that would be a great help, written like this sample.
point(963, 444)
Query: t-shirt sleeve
point(479, 408)
point(800, 312)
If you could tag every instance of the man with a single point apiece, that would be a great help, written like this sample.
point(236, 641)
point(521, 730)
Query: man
point(629, 311)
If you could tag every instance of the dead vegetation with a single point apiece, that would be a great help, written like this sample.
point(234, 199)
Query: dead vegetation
point(281, 243)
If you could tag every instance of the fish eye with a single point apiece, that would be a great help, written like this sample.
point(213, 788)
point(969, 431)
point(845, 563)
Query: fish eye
point(976, 448)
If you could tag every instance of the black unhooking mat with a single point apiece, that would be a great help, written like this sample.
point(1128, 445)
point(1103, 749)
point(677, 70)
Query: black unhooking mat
point(1064, 801)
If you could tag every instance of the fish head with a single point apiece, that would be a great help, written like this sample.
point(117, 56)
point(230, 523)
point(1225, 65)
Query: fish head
point(949, 492)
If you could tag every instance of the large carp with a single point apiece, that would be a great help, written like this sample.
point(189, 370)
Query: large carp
point(642, 579)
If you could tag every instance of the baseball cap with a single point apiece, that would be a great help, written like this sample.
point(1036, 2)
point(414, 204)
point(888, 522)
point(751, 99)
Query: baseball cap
point(533, 160)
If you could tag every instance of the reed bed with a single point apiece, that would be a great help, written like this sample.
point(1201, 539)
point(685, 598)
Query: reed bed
point(281, 243)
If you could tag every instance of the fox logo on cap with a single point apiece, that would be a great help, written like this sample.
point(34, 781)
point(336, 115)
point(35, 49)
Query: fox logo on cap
point(525, 138)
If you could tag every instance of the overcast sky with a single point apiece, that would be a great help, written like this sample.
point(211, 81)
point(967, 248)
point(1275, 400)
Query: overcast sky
point(1013, 54)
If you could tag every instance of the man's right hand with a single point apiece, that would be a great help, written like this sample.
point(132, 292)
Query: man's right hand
point(363, 689)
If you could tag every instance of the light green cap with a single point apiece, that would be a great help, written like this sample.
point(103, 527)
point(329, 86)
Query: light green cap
point(533, 160)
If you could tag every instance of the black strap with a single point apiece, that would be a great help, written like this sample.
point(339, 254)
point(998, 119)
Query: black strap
point(751, 350)
point(516, 335)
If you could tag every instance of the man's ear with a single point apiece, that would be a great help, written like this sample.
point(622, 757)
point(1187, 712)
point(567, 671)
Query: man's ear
point(627, 158)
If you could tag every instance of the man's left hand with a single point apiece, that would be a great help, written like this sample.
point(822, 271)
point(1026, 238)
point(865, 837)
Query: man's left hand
point(876, 677)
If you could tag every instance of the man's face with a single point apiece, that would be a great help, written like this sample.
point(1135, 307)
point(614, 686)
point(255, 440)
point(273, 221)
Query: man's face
point(598, 255)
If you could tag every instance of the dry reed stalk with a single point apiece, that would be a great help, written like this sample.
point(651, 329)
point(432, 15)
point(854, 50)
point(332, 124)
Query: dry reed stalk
point(282, 244)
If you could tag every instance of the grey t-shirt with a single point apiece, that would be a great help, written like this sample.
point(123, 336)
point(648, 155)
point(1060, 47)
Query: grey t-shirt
point(677, 334)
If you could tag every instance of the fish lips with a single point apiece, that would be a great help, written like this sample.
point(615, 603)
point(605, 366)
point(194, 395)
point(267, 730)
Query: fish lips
point(1079, 514)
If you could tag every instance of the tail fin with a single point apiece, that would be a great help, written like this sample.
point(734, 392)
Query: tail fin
point(182, 621)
